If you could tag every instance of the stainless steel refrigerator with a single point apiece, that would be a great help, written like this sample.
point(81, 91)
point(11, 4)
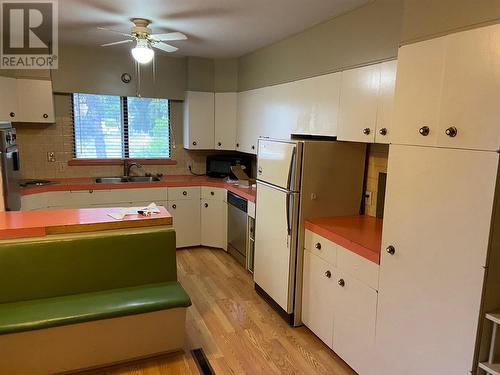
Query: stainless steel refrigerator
point(298, 180)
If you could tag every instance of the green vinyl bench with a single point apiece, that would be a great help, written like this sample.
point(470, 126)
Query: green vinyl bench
point(80, 301)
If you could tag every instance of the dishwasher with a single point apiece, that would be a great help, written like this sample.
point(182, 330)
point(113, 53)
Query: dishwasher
point(237, 208)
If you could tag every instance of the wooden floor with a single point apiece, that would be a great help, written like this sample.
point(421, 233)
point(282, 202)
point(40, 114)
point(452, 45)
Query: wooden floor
point(238, 331)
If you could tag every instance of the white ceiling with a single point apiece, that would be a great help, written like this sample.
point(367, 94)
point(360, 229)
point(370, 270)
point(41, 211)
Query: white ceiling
point(215, 28)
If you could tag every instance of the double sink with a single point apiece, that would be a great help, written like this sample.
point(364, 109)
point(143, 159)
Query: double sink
point(124, 180)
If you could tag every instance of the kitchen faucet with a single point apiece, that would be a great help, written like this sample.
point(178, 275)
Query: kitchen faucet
point(128, 166)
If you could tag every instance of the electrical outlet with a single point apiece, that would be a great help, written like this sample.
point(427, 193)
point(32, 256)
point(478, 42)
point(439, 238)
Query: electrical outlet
point(368, 198)
point(51, 156)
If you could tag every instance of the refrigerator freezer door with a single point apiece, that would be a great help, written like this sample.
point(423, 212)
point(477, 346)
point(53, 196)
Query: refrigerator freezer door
point(278, 163)
point(275, 241)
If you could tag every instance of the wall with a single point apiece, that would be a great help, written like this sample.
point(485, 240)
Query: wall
point(35, 140)
point(369, 33)
point(99, 70)
point(365, 35)
point(378, 155)
point(219, 75)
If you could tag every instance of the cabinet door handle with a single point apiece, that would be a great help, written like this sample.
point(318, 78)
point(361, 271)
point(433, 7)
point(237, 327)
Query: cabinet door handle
point(328, 274)
point(318, 246)
point(259, 170)
point(12, 114)
point(390, 250)
point(219, 144)
point(45, 115)
point(195, 143)
point(253, 147)
point(174, 206)
point(424, 130)
point(91, 191)
point(451, 132)
point(237, 145)
point(206, 205)
point(341, 283)
point(383, 131)
point(212, 193)
point(366, 131)
point(184, 193)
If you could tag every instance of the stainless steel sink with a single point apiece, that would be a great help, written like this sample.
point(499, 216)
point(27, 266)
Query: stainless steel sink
point(124, 180)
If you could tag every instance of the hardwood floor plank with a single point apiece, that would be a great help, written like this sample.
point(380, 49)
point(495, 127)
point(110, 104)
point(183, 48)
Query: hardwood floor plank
point(238, 331)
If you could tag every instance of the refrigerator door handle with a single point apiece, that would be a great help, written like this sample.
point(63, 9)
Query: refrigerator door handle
point(289, 204)
point(291, 171)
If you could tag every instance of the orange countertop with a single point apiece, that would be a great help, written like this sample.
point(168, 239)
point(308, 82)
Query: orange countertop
point(360, 234)
point(87, 183)
point(21, 224)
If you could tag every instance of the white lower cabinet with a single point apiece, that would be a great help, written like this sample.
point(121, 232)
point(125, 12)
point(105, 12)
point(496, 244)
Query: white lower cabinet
point(354, 322)
point(338, 305)
point(214, 223)
point(318, 296)
point(186, 215)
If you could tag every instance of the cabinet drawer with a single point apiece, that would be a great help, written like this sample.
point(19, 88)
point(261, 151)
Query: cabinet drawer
point(213, 193)
point(362, 269)
point(320, 246)
point(180, 193)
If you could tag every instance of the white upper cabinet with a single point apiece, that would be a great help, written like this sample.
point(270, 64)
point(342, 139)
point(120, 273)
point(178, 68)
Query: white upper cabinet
point(447, 91)
point(471, 90)
point(367, 102)
point(8, 99)
point(385, 105)
point(358, 104)
point(35, 101)
point(225, 120)
point(249, 123)
point(199, 120)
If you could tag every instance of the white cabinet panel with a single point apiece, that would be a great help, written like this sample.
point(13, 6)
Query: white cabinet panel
point(35, 101)
point(320, 246)
point(361, 268)
point(385, 105)
point(199, 120)
point(186, 192)
point(213, 193)
point(437, 216)
point(354, 324)
point(419, 86)
point(318, 300)
point(214, 223)
point(8, 99)
point(471, 90)
point(225, 120)
point(358, 104)
point(186, 221)
point(249, 125)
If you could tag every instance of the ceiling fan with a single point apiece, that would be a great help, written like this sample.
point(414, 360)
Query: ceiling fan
point(145, 41)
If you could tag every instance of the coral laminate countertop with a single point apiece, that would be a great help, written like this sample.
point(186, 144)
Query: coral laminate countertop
point(22, 224)
point(86, 183)
point(360, 234)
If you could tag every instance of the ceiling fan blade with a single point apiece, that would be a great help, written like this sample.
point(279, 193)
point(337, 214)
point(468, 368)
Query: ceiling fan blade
point(113, 31)
point(115, 43)
point(165, 47)
point(169, 36)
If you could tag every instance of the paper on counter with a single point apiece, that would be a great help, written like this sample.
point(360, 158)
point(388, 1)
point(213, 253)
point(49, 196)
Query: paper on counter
point(120, 215)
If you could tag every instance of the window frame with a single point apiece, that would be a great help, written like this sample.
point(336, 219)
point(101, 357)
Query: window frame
point(75, 161)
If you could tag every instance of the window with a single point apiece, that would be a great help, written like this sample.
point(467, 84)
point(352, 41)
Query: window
point(114, 127)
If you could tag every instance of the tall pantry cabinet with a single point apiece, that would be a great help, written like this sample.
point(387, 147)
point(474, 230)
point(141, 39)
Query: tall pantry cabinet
point(437, 248)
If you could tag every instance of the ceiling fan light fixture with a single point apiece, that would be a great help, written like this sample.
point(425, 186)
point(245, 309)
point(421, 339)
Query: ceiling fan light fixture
point(142, 52)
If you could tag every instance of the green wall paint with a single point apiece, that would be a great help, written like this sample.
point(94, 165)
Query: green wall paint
point(427, 18)
point(200, 74)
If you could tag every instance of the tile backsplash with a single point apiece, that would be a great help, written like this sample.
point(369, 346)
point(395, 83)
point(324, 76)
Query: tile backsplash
point(377, 162)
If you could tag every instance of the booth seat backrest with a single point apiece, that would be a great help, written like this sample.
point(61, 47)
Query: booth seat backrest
point(86, 263)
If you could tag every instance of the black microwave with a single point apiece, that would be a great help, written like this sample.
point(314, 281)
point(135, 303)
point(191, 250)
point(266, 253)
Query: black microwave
point(220, 165)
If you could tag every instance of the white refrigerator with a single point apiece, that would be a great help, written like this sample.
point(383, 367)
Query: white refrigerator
point(298, 180)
